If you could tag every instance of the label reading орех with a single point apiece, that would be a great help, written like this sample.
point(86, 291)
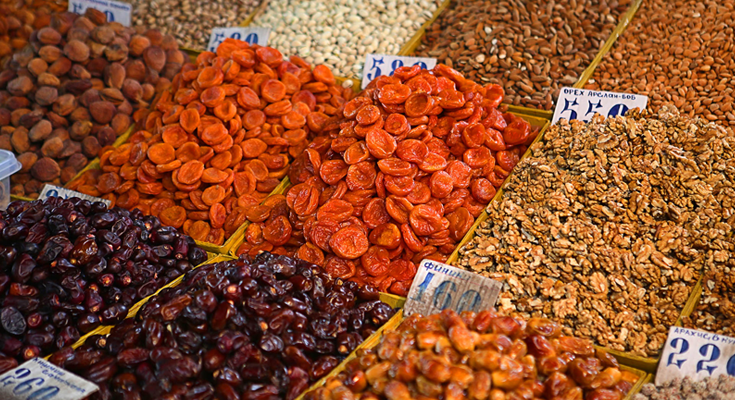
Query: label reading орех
point(55, 191)
point(696, 354)
point(438, 286)
point(38, 379)
point(583, 104)
point(251, 34)
point(381, 64)
point(115, 11)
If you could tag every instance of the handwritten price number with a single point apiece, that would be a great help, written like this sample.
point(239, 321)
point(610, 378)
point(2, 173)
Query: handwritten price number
point(375, 70)
point(79, 8)
point(592, 108)
point(27, 386)
point(445, 292)
point(251, 38)
point(709, 350)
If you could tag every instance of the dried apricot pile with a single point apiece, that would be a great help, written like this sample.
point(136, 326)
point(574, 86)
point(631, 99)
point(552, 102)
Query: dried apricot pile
point(220, 141)
point(19, 18)
point(402, 177)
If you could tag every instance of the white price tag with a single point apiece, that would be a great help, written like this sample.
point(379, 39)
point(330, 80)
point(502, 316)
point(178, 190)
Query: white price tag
point(251, 34)
point(583, 104)
point(38, 379)
point(696, 354)
point(55, 191)
point(381, 64)
point(116, 11)
point(438, 286)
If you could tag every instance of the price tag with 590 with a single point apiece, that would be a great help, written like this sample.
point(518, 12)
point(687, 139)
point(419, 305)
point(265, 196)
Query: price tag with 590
point(696, 354)
point(583, 104)
point(438, 286)
point(38, 379)
point(381, 64)
point(251, 34)
point(115, 11)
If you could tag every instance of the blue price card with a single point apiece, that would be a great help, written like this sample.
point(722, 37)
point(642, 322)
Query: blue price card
point(438, 286)
point(381, 64)
point(583, 104)
point(55, 191)
point(116, 11)
point(696, 354)
point(251, 34)
point(38, 379)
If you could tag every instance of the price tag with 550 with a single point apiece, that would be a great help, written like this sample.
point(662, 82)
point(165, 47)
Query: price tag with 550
point(696, 354)
point(438, 287)
point(381, 64)
point(38, 379)
point(251, 34)
point(583, 104)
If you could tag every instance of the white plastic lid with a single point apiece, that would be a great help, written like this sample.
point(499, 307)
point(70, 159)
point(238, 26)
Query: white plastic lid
point(8, 164)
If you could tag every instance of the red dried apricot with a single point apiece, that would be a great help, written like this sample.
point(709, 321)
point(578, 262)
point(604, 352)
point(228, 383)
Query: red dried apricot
point(349, 242)
point(173, 216)
point(380, 143)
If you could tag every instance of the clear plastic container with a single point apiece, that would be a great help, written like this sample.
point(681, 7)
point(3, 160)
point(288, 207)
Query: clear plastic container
point(8, 166)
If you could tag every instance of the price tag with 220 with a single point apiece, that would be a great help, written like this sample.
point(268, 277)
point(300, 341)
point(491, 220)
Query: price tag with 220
point(696, 354)
point(381, 64)
point(251, 34)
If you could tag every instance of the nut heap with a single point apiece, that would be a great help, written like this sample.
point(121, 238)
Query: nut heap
point(716, 309)
point(532, 48)
point(74, 90)
point(479, 356)
point(401, 178)
point(676, 51)
point(233, 330)
point(18, 20)
point(607, 225)
point(709, 388)
point(340, 33)
point(220, 141)
point(69, 266)
point(191, 22)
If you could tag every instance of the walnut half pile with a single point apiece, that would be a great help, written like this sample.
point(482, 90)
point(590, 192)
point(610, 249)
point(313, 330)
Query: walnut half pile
point(607, 225)
point(715, 311)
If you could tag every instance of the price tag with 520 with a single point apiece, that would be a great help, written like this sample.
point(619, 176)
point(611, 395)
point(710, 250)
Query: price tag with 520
point(381, 64)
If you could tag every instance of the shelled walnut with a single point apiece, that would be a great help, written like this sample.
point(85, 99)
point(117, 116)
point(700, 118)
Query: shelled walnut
point(715, 311)
point(607, 226)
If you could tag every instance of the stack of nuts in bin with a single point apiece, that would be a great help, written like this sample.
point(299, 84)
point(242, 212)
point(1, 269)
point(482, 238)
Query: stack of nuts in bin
point(220, 141)
point(18, 20)
point(479, 356)
point(252, 330)
point(69, 266)
point(402, 177)
point(74, 89)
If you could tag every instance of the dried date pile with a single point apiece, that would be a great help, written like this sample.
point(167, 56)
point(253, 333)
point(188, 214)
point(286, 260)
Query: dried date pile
point(608, 225)
point(260, 329)
point(716, 309)
point(221, 140)
point(482, 355)
point(400, 178)
point(710, 388)
point(69, 266)
point(74, 89)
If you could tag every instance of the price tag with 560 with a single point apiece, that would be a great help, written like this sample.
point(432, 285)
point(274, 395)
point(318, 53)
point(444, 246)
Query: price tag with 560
point(583, 104)
point(381, 64)
point(696, 354)
point(116, 11)
point(251, 34)
point(438, 287)
point(38, 379)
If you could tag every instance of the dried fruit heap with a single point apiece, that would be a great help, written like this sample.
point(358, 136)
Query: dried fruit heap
point(220, 141)
point(68, 266)
point(19, 18)
point(479, 356)
point(74, 90)
point(606, 226)
point(260, 329)
point(401, 178)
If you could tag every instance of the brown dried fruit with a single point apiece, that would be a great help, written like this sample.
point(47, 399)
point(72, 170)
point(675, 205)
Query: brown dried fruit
point(148, 91)
point(45, 170)
point(65, 104)
point(138, 44)
point(77, 33)
point(132, 90)
point(49, 35)
point(120, 123)
point(135, 69)
point(46, 79)
point(116, 52)
point(114, 75)
point(80, 130)
point(90, 96)
point(40, 131)
point(77, 161)
point(46, 95)
point(5, 142)
point(91, 146)
point(77, 86)
point(52, 147)
point(114, 96)
point(106, 136)
point(76, 51)
point(50, 53)
point(37, 66)
point(102, 111)
point(67, 174)
point(154, 57)
point(79, 114)
point(103, 34)
point(20, 86)
point(60, 133)
point(27, 160)
point(20, 141)
point(95, 16)
point(69, 147)
point(79, 72)
point(60, 67)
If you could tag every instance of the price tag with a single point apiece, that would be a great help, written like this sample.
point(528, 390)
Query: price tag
point(38, 379)
point(55, 191)
point(116, 11)
point(583, 104)
point(381, 64)
point(251, 34)
point(438, 286)
point(696, 354)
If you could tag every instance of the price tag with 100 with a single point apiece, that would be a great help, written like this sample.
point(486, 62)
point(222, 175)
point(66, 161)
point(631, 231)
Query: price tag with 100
point(381, 64)
point(696, 354)
point(38, 379)
point(438, 287)
point(251, 34)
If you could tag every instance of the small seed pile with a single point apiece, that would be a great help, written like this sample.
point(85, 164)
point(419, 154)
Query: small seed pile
point(677, 51)
point(607, 226)
point(531, 47)
point(341, 33)
point(718, 388)
point(191, 22)
point(716, 309)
